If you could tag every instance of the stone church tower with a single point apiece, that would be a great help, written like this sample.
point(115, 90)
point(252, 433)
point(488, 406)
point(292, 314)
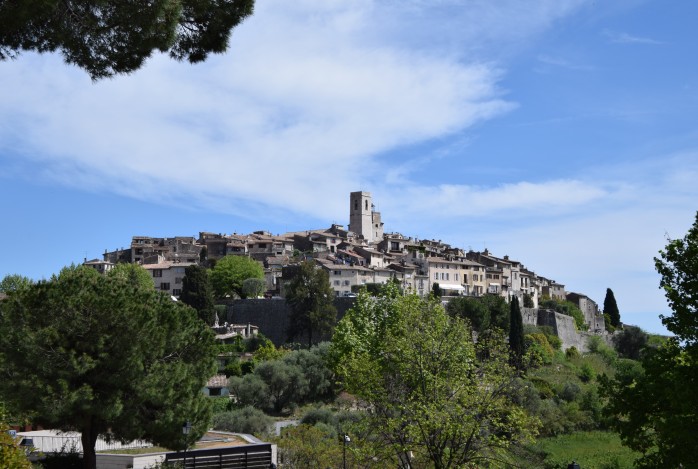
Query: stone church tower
point(363, 220)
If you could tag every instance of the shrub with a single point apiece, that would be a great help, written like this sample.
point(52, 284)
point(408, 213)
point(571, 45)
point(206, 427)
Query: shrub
point(570, 391)
point(572, 353)
point(245, 420)
point(538, 350)
point(586, 373)
point(554, 341)
point(232, 368)
point(594, 342)
point(321, 414)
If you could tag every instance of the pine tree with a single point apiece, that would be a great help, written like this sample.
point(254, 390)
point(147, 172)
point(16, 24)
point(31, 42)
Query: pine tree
point(611, 308)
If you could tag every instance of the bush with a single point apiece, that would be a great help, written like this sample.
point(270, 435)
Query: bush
point(570, 392)
point(586, 373)
point(321, 414)
point(594, 343)
point(232, 368)
point(572, 353)
point(538, 350)
point(245, 420)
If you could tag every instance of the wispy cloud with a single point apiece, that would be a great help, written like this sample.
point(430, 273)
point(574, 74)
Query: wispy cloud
point(563, 63)
point(619, 37)
point(309, 94)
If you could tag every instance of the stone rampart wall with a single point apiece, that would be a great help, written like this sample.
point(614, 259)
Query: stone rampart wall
point(272, 318)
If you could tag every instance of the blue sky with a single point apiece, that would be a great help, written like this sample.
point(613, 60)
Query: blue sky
point(559, 132)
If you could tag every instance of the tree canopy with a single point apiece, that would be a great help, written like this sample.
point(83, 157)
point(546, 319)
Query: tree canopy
point(105, 356)
point(678, 266)
point(654, 410)
point(431, 393)
point(311, 299)
point(110, 37)
point(14, 282)
point(134, 274)
point(230, 272)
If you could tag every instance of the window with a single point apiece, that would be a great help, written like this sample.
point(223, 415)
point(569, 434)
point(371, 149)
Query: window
point(346, 282)
point(455, 277)
point(178, 280)
point(436, 275)
point(176, 292)
point(447, 276)
point(336, 282)
point(157, 273)
point(165, 286)
point(338, 272)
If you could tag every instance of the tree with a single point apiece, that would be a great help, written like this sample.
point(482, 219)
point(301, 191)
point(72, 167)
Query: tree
point(104, 356)
point(253, 287)
point(14, 282)
point(630, 342)
point(197, 293)
point(516, 333)
point(678, 267)
point(12, 455)
point(471, 309)
point(311, 300)
point(286, 383)
point(134, 274)
point(528, 301)
point(429, 389)
point(611, 308)
point(654, 410)
point(110, 37)
point(499, 311)
point(231, 271)
point(436, 290)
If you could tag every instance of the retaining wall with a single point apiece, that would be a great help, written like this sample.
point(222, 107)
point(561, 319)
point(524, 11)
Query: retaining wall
point(272, 318)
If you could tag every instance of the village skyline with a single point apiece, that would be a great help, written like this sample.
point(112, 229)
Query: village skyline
point(560, 133)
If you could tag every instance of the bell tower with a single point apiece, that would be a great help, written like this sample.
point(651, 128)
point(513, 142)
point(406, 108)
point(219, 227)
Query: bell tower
point(360, 218)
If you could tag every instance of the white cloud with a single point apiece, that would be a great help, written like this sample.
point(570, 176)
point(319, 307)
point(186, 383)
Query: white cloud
point(619, 37)
point(302, 100)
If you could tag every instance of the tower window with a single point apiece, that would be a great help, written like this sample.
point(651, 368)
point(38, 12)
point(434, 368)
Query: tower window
point(356, 205)
point(366, 201)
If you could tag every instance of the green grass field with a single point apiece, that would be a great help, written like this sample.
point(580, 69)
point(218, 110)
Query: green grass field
point(591, 450)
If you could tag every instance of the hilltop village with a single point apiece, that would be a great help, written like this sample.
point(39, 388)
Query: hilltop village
point(360, 254)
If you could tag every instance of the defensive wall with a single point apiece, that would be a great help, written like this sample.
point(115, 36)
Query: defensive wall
point(272, 318)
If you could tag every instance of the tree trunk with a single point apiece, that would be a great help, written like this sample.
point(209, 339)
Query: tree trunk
point(89, 440)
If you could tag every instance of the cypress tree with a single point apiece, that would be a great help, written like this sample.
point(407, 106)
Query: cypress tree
point(611, 308)
point(197, 292)
point(516, 335)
